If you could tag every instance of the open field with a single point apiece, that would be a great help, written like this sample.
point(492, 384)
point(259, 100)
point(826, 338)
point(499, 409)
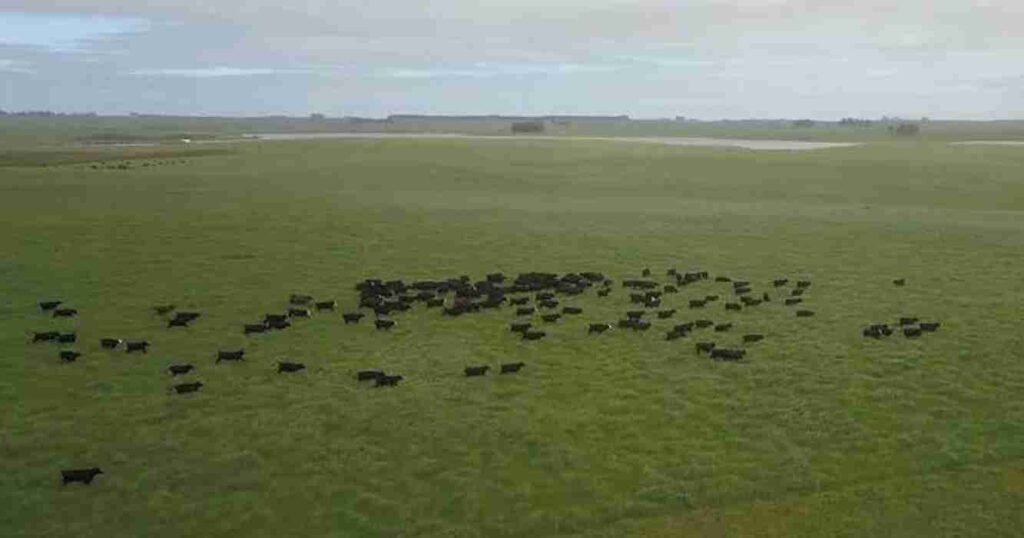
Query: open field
point(818, 432)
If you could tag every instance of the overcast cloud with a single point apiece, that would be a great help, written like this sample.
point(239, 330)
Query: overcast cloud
point(647, 58)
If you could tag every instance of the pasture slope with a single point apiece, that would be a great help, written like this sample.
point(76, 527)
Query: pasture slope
point(817, 432)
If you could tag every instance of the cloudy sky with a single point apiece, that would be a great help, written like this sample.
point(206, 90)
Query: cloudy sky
point(647, 58)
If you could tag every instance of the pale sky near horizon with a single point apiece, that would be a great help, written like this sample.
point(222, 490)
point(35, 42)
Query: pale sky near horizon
point(708, 59)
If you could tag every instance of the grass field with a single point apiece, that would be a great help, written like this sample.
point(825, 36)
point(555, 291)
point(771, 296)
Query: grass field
point(819, 432)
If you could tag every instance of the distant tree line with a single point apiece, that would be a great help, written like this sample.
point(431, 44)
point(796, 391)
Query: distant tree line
point(905, 129)
point(46, 114)
point(855, 122)
point(528, 127)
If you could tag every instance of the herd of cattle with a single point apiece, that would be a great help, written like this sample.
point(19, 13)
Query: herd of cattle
point(532, 295)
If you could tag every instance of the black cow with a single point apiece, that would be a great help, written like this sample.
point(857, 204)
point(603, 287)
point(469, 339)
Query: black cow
point(675, 334)
point(131, 347)
point(741, 291)
point(518, 301)
point(703, 323)
point(765, 297)
point(778, 283)
point(572, 310)
point(722, 327)
point(710, 298)
point(512, 367)
point(684, 327)
point(793, 300)
point(300, 299)
point(912, 332)
point(388, 380)
point(46, 306)
point(83, 476)
point(705, 347)
point(803, 284)
point(49, 336)
point(69, 356)
point(185, 388)
point(697, 303)
point(908, 321)
point(520, 326)
point(366, 375)
point(534, 335)
point(652, 302)
point(728, 354)
point(268, 318)
point(635, 314)
point(551, 318)
point(900, 282)
point(740, 284)
point(645, 272)
point(68, 338)
point(352, 317)
point(473, 371)
point(753, 337)
point(747, 301)
point(436, 302)
point(384, 324)
point(187, 316)
point(65, 313)
point(604, 292)
point(326, 305)
point(665, 314)
point(722, 279)
point(251, 328)
point(236, 355)
point(163, 309)
point(804, 313)
point(930, 327)
point(180, 369)
point(526, 311)
point(298, 312)
point(279, 324)
point(110, 343)
point(598, 328)
point(733, 306)
point(548, 303)
point(177, 322)
point(288, 367)
point(670, 289)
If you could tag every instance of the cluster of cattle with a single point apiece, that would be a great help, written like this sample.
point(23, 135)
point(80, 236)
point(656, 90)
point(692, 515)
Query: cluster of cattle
point(127, 165)
point(911, 327)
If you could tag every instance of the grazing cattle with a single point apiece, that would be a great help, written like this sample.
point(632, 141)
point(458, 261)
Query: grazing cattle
point(110, 343)
point(912, 332)
point(728, 354)
point(572, 310)
point(747, 301)
point(710, 298)
point(384, 324)
point(185, 388)
point(598, 328)
point(163, 309)
point(434, 303)
point(69, 356)
point(671, 289)
point(534, 335)
point(520, 326)
point(366, 375)
point(778, 283)
point(603, 293)
point(722, 327)
point(722, 279)
point(803, 284)
point(765, 297)
point(750, 338)
point(908, 321)
point(352, 317)
point(180, 369)
point(68, 338)
point(279, 324)
point(877, 330)
point(65, 313)
point(635, 314)
point(548, 303)
point(900, 282)
point(705, 347)
point(930, 327)
point(518, 301)
point(525, 311)
point(740, 284)
point(177, 322)
point(544, 296)
point(741, 291)
point(703, 323)
point(298, 312)
point(675, 334)
point(48, 336)
point(236, 355)
point(645, 272)
point(270, 318)
point(288, 367)
point(131, 347)
point(733, 306)
point(187, 316)
point(652, 302)
point(326, 305)
point(804, 313)
point(46, 306)
point(84, 476)
point(793, 300)
point(474, 371)
point(388, 380)
point(684, 327)
point(697, 303)
point(665, 314)
point(797, 292)
point(551, 318)
point(254, 328)
point(300, 299)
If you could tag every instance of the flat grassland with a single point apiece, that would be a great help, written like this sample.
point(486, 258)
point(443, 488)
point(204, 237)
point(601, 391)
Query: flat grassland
point(819, 432)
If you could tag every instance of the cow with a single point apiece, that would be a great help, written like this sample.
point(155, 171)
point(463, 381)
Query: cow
point(740, 284)
point(652, 302)
point(803, 284)
point(46, 306)
point(110, 343)
point(141, 345)
point(177, 322)
point(765, 297)
point(163, 309)
point(722, 327)
point(728, 354)
point(703, 323)
point(180, 369)
point(697, 303)
point(512, 367)
point(741, 291)
point(49, 336)
point(877, 330)
point(185, 388)
point(635, 314)
point(434, 303)
point(388, 380)
point(367, 375)
point(551, 318)
point(279, 324)
point(722, 279)
point(288, 367)
point(520, 326)
point(930, 327)
point(733, 306)
point(269, 318)
point(236, 355)
point(683, 327)
point(352, 317)
point(474, 371)
point(779, 282)
point(384, 324)
point(69, 356)
point(298, 312)
point(665, 314)
point(326, 305)
point(534, 335)
point(604, 292)
point(747, 301)
point(797, 292)
point(750, 338)
point(710, 298)
point(912, 332)
point(908, 321)
point(900, 282)
point(65, 313)
point(525, 311)
point(518, 301)
point(804, 313)
point(675, 334)
point(670, 289)
point(84, 476)
point(187, 316)
point(254, 328)
point(793, 301)
point(68, 338)
point(300, 299)
point(705, 347)
point(645, 272)
point(572, 310)
point(598, 328)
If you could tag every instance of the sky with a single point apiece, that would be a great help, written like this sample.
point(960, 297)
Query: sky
point(705, 59)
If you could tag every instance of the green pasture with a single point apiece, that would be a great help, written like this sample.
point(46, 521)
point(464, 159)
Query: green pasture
point(819, 432)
